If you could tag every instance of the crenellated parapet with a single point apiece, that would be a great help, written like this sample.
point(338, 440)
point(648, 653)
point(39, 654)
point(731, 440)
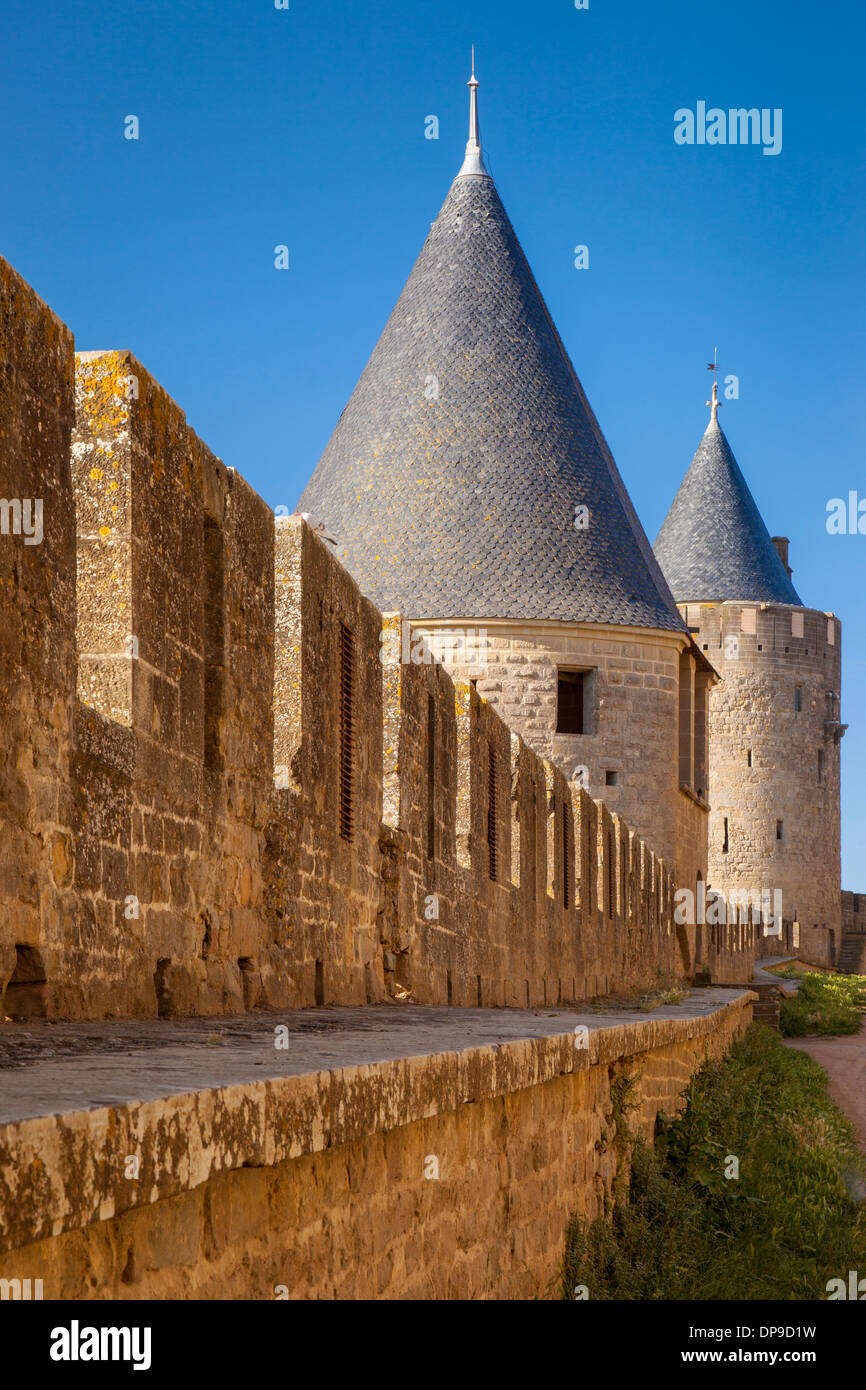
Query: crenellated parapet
point(228, 781)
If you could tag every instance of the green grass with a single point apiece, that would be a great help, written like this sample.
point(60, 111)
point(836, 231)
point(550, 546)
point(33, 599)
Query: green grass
point(828, 1004)
point(645, 1003)
point(679, 1229)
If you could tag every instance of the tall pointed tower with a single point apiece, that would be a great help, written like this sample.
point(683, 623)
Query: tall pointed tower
point(774, 726)
point(468, 484)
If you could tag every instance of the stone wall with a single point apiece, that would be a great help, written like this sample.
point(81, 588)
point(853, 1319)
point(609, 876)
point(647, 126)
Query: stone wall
point(37, 641)
point(240, 793)
point(774, 768)
point(852, 957)
point(447, 1175)
point(628, 754)
point(173, 767)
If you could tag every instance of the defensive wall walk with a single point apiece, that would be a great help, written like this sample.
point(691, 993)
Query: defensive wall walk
point(371, 1151)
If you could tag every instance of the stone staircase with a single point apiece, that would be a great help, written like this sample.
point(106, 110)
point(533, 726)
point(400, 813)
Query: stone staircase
point(767, 1009)
point(771, 990)
point(852, 953)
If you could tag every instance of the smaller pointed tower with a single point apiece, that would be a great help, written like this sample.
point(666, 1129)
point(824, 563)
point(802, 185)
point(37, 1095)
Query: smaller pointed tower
point(774, 723)
point(714, 541)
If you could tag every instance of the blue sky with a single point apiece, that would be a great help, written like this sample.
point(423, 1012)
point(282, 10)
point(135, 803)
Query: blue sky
point(305, 127)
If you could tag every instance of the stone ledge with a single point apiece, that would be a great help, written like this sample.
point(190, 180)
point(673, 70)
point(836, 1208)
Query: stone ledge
point(103, 740)
point(686, 791)
point(63, 1171)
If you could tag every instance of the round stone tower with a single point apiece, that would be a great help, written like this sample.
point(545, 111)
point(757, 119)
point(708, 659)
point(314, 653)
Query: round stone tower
point(469, 486)
point(774, 719)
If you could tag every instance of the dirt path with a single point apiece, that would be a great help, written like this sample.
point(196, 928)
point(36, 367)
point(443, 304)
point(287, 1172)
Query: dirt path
point(844, 1060)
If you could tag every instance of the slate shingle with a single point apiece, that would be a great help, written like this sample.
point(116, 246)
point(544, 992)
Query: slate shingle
point(713, 544)
point(462, 504)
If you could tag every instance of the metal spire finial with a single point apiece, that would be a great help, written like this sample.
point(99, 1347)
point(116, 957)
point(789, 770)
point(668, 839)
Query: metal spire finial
point(715, 403)
point(473, 163)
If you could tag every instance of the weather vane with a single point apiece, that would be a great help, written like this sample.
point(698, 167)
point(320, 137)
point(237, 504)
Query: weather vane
point(714, 368)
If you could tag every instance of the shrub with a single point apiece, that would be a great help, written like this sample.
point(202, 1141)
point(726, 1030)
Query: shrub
point(681, 1230)
point(828, 1004)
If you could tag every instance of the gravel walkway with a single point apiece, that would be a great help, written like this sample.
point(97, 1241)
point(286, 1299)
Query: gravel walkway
point(844, 1060)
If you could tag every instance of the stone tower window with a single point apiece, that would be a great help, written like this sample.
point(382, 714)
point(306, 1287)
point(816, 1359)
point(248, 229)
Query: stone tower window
point(572, 703)
point(798, 698)
point(820, 766)
point(702, 691)
point(347, 734)
point(611, 778)
point(726, 844)
point(780, 829)
point(687, 720)
point(492, 825)
point(749, 756)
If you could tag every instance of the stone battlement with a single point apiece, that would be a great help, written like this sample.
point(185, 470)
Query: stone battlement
point(220, 785)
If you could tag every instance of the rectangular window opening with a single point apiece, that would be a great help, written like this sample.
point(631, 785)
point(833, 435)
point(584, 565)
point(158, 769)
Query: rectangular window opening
point(571, 702)
point(798, 697)
point(347, 734)
point(779, 830)
point(749, 757)
point(726, 844)
point(611, 778)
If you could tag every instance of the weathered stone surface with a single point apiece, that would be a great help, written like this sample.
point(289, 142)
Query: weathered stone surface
point(37, 640)
point(772, 762)
point(316, 1180)
point(631, 711)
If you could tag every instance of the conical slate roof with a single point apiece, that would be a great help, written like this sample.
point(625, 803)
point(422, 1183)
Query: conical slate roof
point(451, 480)
point(713, 544)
